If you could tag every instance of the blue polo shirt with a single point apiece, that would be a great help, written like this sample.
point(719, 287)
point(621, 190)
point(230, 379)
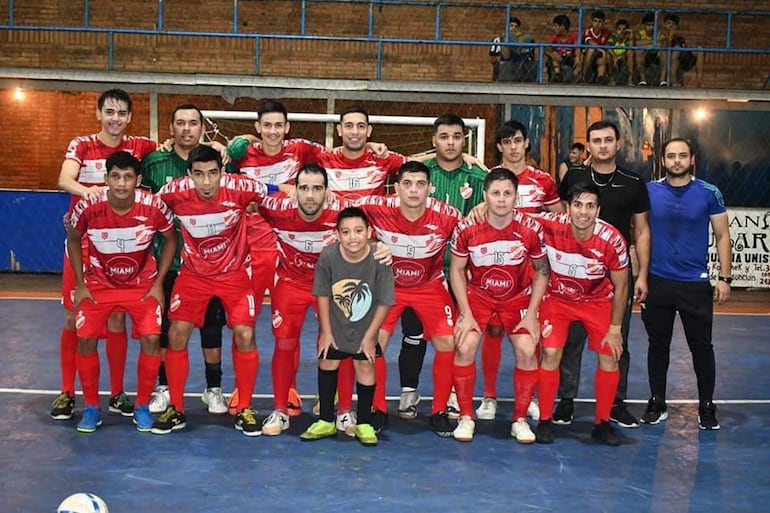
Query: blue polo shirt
point(679, 228)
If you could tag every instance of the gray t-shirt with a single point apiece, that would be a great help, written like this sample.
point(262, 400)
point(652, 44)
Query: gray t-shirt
point(354, 290)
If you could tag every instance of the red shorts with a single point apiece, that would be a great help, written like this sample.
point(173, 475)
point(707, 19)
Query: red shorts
point(487, 311)
point(192, 293)
point(557, 314)
point(263, 264)
point(433, 305)
point(290, 305)
point(91, 318)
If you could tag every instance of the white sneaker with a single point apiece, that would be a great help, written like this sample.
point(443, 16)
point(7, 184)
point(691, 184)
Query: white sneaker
point(347, 422)
point(452, 406)
point(533, 410)
point(407, 405)
point(275, 423)
point(464, 430)
point(215, 400)
point(521, 431)
point(487, 410)
point(160, 399)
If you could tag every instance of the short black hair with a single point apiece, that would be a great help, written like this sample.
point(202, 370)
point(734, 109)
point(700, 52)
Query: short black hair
point(514, 19)
point(272, 106)
point(598, 15)
point(678, 139)
point(673, 18)
point(578, 146)
point(203, 153)
point(117, 95)
point(448, 119)
point(622, 21)
point(352, 212)
point(355, 109)
point(499, 174)
point(313, 168)
point(584, 188)
point(648, 18)
point(509, 129)
point(123, 160)
point(601, 125)
point(186, 106)
point(413, 166)
point(562, 20)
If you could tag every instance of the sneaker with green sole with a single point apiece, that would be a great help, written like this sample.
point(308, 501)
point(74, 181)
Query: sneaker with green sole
point(318, 430)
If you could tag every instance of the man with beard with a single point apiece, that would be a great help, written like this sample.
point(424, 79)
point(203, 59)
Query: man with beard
point(682, 207)
point(625, 204)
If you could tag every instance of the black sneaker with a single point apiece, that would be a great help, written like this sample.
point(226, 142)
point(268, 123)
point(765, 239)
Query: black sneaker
point(379, 421)
point(707, 416)
point(605, 433)
point(170, 420)
point(440, 424)
point(120, 403)
point(656, 412)
point(544, 432)
point(246, 423)
point(63, 406)
point(564, 412)
point(621, 415)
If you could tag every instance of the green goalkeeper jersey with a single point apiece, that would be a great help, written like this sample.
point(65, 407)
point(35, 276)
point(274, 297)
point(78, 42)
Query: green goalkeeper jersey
point(463, 188)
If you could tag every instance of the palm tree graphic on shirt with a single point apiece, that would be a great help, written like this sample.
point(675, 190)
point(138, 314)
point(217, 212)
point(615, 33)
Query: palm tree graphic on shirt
point(353, 297)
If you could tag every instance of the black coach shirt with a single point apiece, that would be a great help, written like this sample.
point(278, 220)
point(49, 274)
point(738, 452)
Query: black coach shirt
point(621, 194)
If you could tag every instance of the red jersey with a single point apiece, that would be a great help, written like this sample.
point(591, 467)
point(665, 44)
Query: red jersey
point(592, 38)
point(536, 190)
point(570, 39)
point(119, 247)
point(365, 176)
point(580, 269)
point(418, 246)
point(274, 169)
point(499, 259)
point(300, 242)
point(213, 234)
point(91, 154)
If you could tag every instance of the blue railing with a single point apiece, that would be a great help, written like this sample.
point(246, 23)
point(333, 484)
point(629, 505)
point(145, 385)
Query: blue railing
point(380, 41)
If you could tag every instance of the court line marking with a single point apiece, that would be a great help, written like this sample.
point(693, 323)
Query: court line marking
point(106, 393)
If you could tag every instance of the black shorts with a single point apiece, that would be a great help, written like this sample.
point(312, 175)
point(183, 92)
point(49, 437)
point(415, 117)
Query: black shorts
point(687, 60)
point(336, 354)
point(651, 58)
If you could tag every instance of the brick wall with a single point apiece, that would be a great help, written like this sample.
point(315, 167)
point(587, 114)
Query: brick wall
point(334, 59)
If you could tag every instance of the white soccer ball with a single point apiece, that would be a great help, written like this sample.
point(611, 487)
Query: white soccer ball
point(83, 503)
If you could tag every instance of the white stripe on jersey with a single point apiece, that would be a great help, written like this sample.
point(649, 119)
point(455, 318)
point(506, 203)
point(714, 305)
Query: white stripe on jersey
point(525, 193)
point(109, 241)
point(575, 265)
point(411, 246)
point(306, 242)
point(92, 172)
point(354, 179)
point(498, 253)
point(280, 172)
point(200, 226)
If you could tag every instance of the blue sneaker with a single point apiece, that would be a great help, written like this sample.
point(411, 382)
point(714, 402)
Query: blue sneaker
point(92, 419)
point(143, 419)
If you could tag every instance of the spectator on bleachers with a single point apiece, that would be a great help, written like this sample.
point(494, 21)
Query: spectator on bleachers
point(682, 60)
point(622, 59)
point(512, 63)
point(595, 60)
point(560, 61)
point(647, 61)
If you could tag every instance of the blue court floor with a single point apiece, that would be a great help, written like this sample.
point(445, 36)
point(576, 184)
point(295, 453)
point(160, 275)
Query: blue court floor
point(210, 467)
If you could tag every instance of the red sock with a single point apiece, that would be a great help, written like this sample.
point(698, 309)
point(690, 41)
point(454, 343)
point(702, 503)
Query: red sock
point(246, 365)
point(117, 347)
point(296, 368)
point(177, 369)
point(605, 385)
point(88, 372)
point(282, 368)
point(346, 377)
point(464, 379)
point(68, 349)
point(380, 403)
point(524, 384)
point(146, 371)
point(549, 385)
point(491, 354)
point(442, 379)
